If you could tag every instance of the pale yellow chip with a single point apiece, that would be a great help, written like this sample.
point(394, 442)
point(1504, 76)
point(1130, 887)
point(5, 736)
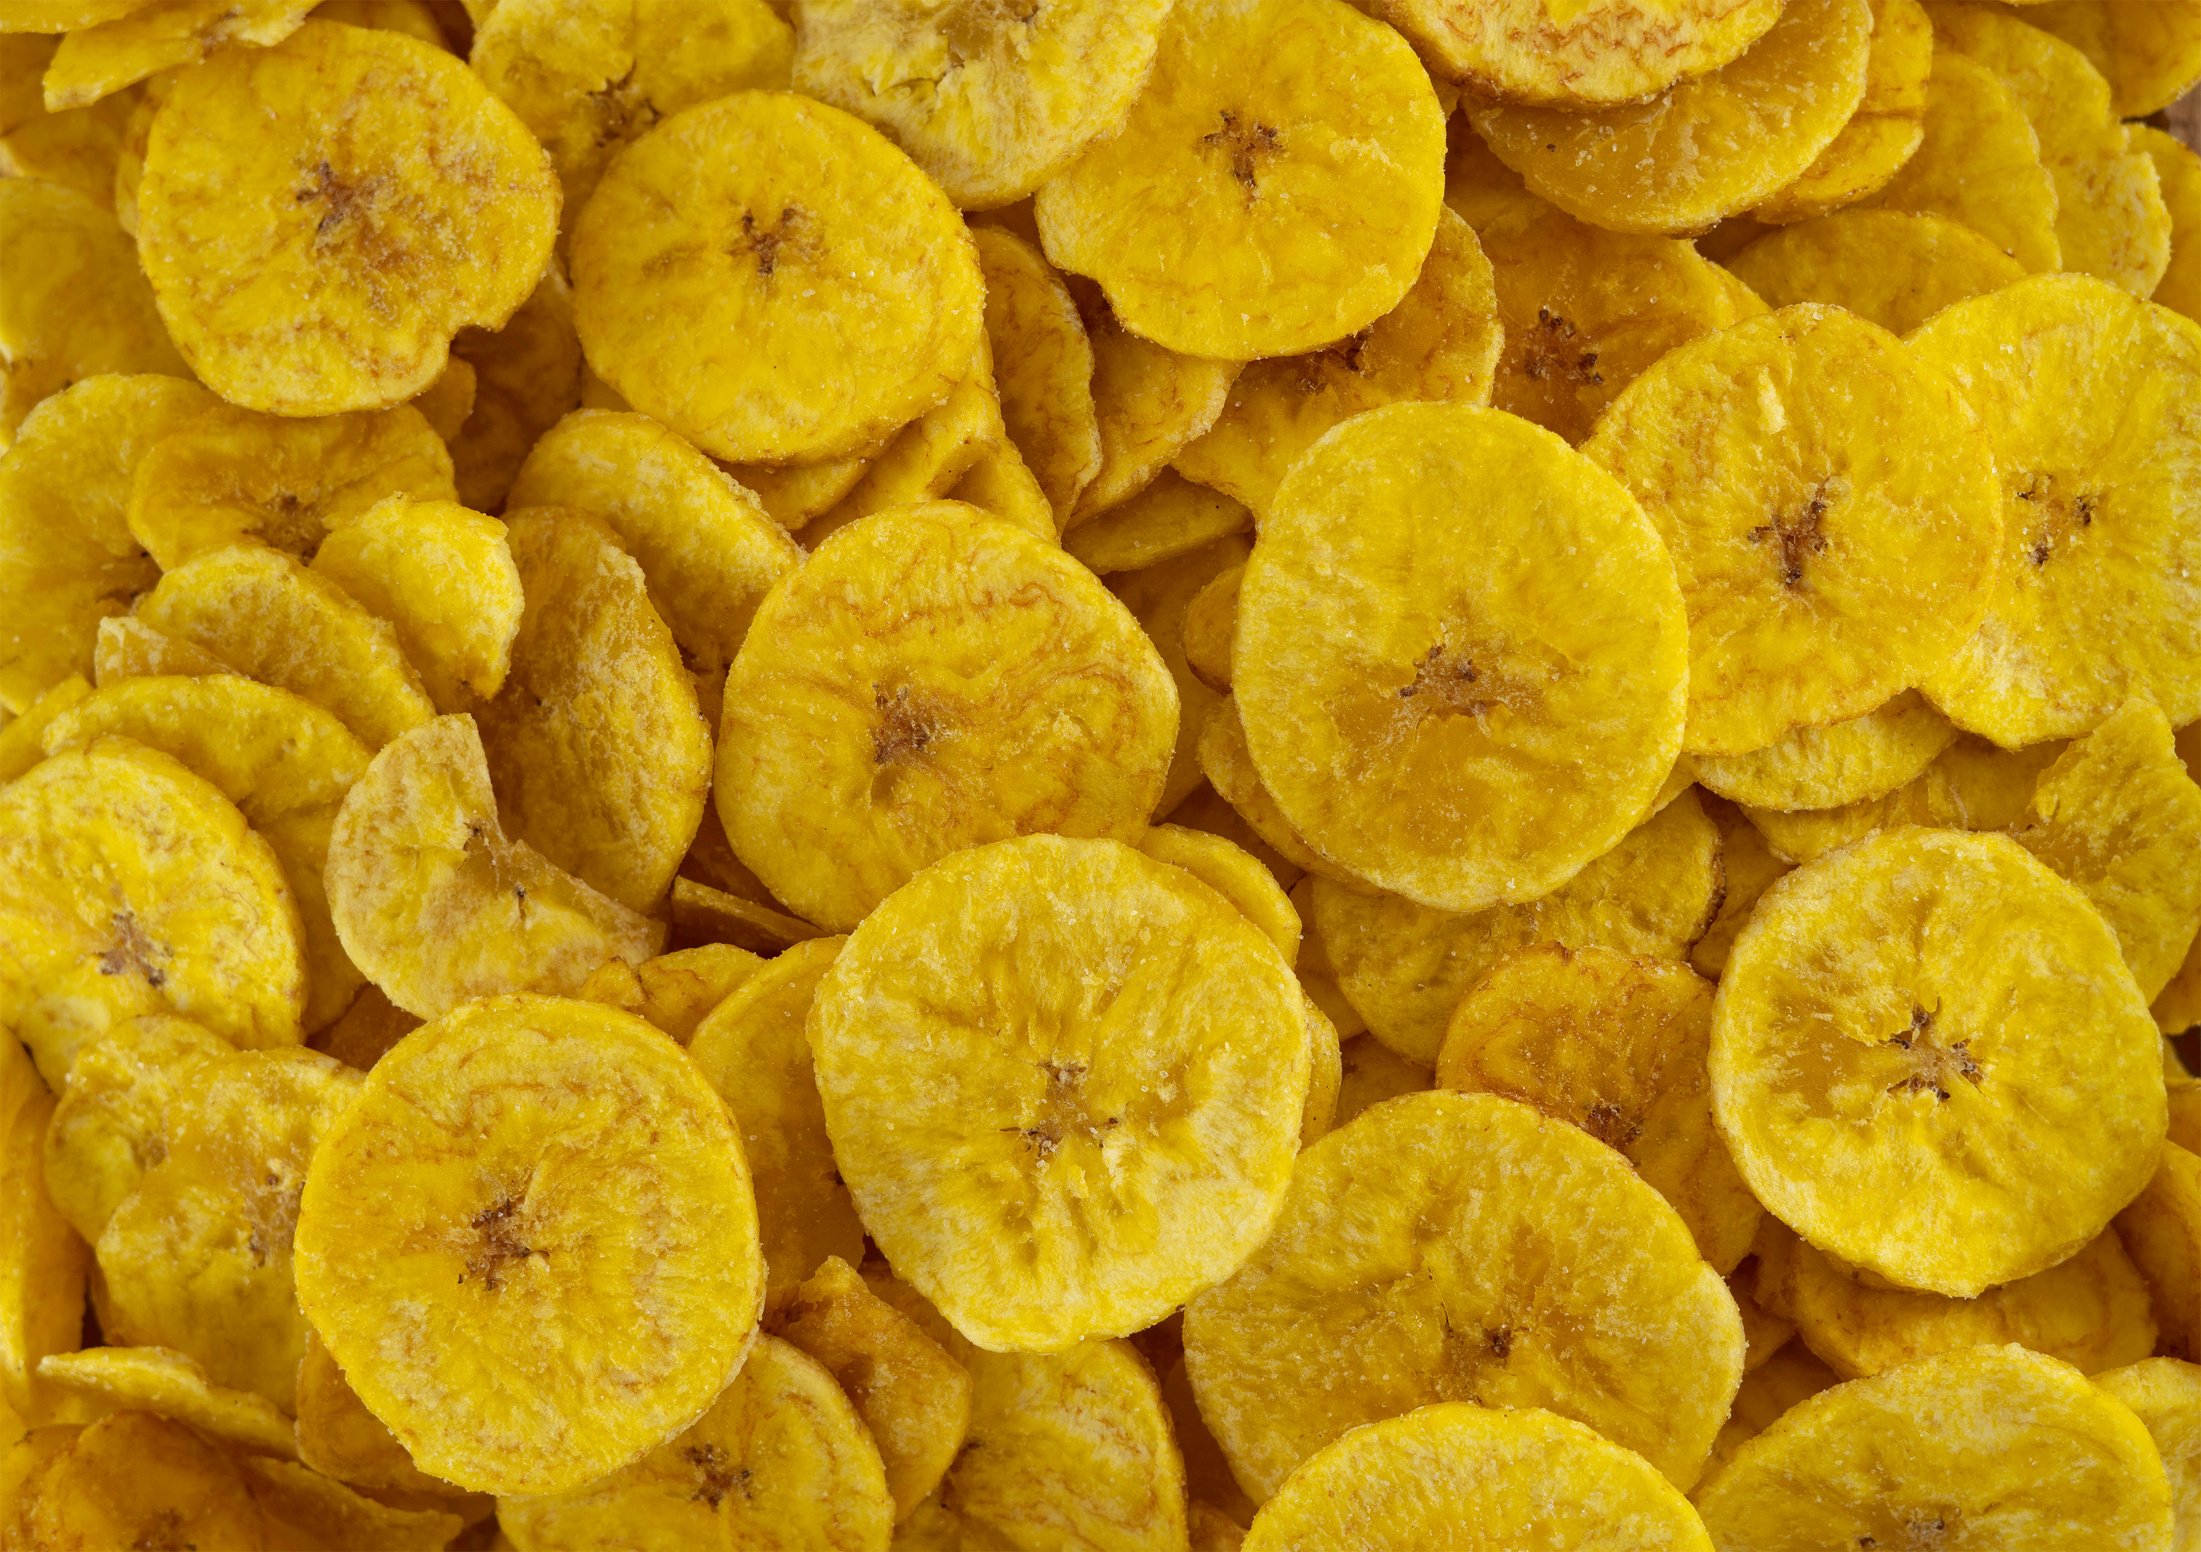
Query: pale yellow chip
point(2082, 389)
point(1980, 165)
point(1615, 1045)
point(992, 101)
point(1884, 133)
point(95, 62)
point(170, 1384)
point(1748, 868)
point(2178, 170)
point(1856, 761)
point(1210, 630)
point(1894, 267)
point(73, 303)
point(526, 375)
point(2110, 216)
point(553, 1188)
point(1160, 597)
point(2165, 1394)
point(1043, 366)
point(1462, 1247)
point(1465, 736)
point(1404, 967)
point(1440, 344)
point(589, 77)
point(285, 483)
point(317, 257)
point(1830, 554)
point(1999, 1447)
point(1705, 148)
point(930, 679)
point(1170, 518)
point(1929, 1059)
point(1275, 189)
point(1059, 1051)
point(142, 105)
point(913, 1396)
point(2150, 53)
point(1971, 785)
point(2161, 1231)
point(78, 147)
point(338, 1437)
point(1149, 403)
point(436, 905)
point(773, 280)
point(43, 1264)
point(282, 760)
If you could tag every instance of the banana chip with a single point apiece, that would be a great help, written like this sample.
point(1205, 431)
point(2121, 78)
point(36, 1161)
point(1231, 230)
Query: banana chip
point(2165, 1394)
point(2161, 1231)
point(446, 402)
point(1228, 765)
point(1856, 761)
point(1971, 785)
point(2083, 390)
point(1275, 190)
point(76, 148)
point(128, 648)
point(526, 375)
point(1170, 518)
point(580, 1322)
point(170, 1384)
point(676, 991)
point(1003, 485)
point(1987, 1447)
point(1893, 267)
point(306, 1509)
point(1211, 628)
point(2179, 171)
point(931, 679)
point(1598, 54)
point(45, 16)
point(1149, 402)
point(1616, 1046)
point(1980, 165)
point(1371, 1072)
point(338, 1437)
point(2150, 53)
point(434, 903)
point(1043, 365)
point(42, 1268)
point(847, 302)
point(1829, 555)
point(1929, 1059)
point(931, 454)
point(1705, 148)
point(364, 1032)
point(22, 740)
point(1414, 1263)
point(1235, 874)
point(1886, 130)
point(1160, 597)
point(1211, 1530)
point(1748, 868)
point(1458, 735)
point(913, 1396)
point(134, 1479)
point(111, 1123)
point(95, 62)
point(1182, 1087)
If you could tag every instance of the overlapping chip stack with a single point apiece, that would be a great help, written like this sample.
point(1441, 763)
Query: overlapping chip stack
point(1145, 775)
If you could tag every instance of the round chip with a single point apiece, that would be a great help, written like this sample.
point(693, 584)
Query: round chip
point(2084, 392)
point(2150, 53)
point(1893, 267)
point(1160, 599)
point(931, 679)
point(553, 1190)
point(1043, 363)
point(774, 281)
point(526, 375)
point(42, 1262)
point(991, 100)
point(1980, 164)
point(1520, 1478)
point(2165, 1394)
point(1886, 130)
point(1826, 767)
point(1929, 1059)
point(169, 1384)
point(1830, 556)
point(1124, 1023)
point(318, 254)
point(1464, 735)
point(1990, 1447)
point(1275, 190)
point(1462, 1247)
point(2179, 171)
point(1705, 148)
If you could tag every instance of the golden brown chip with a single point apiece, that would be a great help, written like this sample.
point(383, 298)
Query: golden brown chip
point(1980, 165)
point(363, 1034)
point(2150, 53)
point(1227, 763)
point(305, 1509)
point(319, 256)
point(1886, 129)
point(1894, 267)
point(1160, 598)
point(700, 912)
point(42, 1268)
point(1043, 365)
point(1275, 189)
point(170, 1384)
point(446, 402)
point(1170, 518)
point(1149, 403)
point(1856, 761)
point(1787, 1377)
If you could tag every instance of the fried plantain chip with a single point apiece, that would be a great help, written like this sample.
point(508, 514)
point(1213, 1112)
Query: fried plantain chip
point(1891, 266)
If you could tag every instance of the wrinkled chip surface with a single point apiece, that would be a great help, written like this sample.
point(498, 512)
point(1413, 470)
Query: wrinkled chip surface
point(1856, 761)
point(1576, 56)
point(1043, 366)
point(1980, 165)
point(133, 1478)
point(1894, 267)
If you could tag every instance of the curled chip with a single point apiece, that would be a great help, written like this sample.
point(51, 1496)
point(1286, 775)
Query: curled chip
point(1598, 54)
point(931, 454)
point(913, 1396)
point(2091, 1311)
point(793, 494)
point(76, 148)
point(700, 911)
point(1883, 134)
point(1228, 765)
point(67, 558)
point(21, 741)
point(931, 679)
point(2161, 1231)
point(753, 1050)
point(1856, 761)
point(773, 280)
point(1462, 1247)
point(553, 1188)
point(95, 62)
point(1891, 266)
point(1998, 1446)
point(1275, 189)
point(43, 1263)
point(1829, 555)
point(526, 375)
point(1211, 628)
point(1404, 967)
point(445, 579)
point(73, 303)
point(1171, 517)
point(2150, 53)
point(2165, 1394)
point(433, 902)
point(170, 1384)
point(1929, 1060)
point(1127, 1024)
point(2097, 457)
point(1440, 344)
point(282, 760)
point(2110, 216)
point(1705, 148)
point(588, 77)
point(304, 1508)
point(675, 991)
point(781, 1459)
point(1160, 599)
point(992, 101)
point(1149, 402)
point(197, 1255)
point(598, 750)
point(112, 1121)
point(1748, 868)
point(1616, 1046)
point(1971, 785)
point(2179, 170)
point(319, 256)
point(1980, 164)
point(1235, 874)
point(1043, 365)
point(709, 551)
point(1466, 736)
point(135, 1479)
point(130, 886)
point(1519, 1477)
point(286, 483)
point(1003, 485)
